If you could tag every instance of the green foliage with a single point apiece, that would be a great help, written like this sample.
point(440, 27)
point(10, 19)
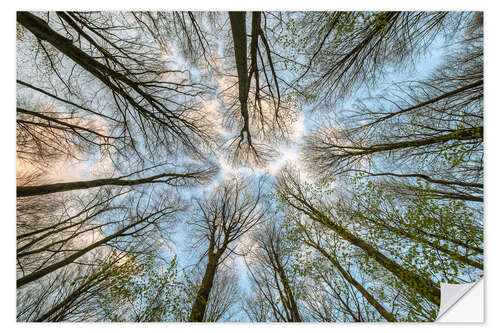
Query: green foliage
point(146, 292)
point(427, 236)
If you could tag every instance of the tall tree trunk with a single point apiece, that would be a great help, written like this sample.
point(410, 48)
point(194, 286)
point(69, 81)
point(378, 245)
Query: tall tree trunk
point(465, 134)
point(27, 191)
point(294, 311)
point(238, 29)
point(423, 286)
point(200, 303)
point(383, 312)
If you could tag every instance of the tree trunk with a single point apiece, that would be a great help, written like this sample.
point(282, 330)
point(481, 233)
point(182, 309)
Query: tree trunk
point(383, 312)
point(200, 303)
point(423, 286)
point(49, 269)
point(295, 316)
point(27, 191)
point(466, 134)
point(238, 29)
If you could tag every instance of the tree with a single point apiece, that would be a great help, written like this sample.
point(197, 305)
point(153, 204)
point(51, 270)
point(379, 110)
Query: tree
point(156, 292)
point(269, 272)
point(344, 51)
point(164, 178)
point(334, 260)
point(65, 113)
point(134, 79)
point(224, 295)
point(44, 249)
point(291, 192)
point(219, 222)
point(238, 29)
point(429, 130)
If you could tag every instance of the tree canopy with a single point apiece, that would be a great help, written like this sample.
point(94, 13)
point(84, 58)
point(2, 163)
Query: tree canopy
point(247, 166)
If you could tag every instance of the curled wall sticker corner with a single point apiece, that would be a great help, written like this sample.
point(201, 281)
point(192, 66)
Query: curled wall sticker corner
point(462, 302)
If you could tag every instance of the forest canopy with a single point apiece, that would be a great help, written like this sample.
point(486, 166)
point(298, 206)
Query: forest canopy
point(247, 166)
